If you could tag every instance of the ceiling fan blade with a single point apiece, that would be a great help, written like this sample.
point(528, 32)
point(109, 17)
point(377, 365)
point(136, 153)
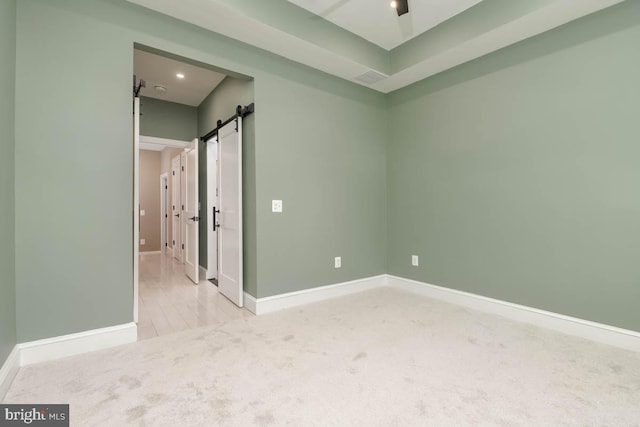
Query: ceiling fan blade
point(402, 7)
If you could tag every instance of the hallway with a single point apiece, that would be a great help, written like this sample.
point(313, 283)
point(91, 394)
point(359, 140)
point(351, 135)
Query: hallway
point(169, 302)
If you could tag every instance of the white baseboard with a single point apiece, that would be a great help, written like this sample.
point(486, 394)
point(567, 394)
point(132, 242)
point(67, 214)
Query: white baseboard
point(594, 331)
point(150, 252)
point(321, 293)
point(81, 342)
point(8, 371)
point(203, 273)
point(587, 329)
point(250, 303)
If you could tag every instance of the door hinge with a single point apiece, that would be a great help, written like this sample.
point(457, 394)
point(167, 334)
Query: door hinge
point(174, 243)
point(182, 168)
point(182, 207)
point(166, 244)
point(166, 188)
point(173, 173)
point(183, 246)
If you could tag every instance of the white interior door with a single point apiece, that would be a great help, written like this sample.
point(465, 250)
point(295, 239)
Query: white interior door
point(176, 239)
point(136, 203)
point(183, 197)
point(230, 218)
point(191, 264)
point(164, 216)
point(212, 208)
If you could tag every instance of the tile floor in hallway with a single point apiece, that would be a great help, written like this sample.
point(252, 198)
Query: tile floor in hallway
point(170, 302)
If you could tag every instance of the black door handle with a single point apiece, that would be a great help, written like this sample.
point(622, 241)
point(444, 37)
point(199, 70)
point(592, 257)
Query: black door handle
point(178, 215)
point(194, 218)
point(215, 222)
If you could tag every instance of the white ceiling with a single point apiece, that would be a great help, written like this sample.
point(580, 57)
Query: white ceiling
point(224, 17)
point(377, 22)
point(158, 70)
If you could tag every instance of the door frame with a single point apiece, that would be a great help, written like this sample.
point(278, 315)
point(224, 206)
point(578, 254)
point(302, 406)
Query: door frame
point(175, 208)
point(164, 220)
point(136, 205)
point(147, 142)
point(136, 197)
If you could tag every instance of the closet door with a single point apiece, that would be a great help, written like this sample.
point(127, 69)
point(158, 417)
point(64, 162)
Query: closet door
point(191, 262)
point(176, 239)
point(230, 260)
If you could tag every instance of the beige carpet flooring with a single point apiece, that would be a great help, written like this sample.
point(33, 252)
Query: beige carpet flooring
point(378, 358)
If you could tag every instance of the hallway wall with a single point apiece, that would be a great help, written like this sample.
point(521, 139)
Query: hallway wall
point(170, 120)
point(150, 201)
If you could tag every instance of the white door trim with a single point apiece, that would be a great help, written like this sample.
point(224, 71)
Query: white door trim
point(176, 200)
point(155, 143)
point(191, 214)
point(136, 203)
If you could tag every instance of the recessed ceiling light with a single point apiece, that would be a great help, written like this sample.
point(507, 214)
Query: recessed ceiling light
point(160, 88)
point(180, 76)
point(394, 4)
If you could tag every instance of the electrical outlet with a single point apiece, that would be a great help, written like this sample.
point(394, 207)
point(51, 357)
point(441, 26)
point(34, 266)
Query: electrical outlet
point(337, 262)
point(276, 206)
point(142, 212)
point(142, 241)
point(415, 260)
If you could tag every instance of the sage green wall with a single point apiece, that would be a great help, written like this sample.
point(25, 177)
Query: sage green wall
point(7, 196)
point(221, 104)
point(319, 145)
point(516, 176)
point(321, 149)
point(164, 119)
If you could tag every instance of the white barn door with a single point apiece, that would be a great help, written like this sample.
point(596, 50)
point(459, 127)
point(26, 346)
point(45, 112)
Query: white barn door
point(230, 262)
point(212, 208)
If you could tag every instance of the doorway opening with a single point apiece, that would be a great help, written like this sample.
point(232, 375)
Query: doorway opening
point(188, 133)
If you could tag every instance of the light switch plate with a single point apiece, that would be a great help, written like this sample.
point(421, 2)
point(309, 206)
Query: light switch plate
point(337, 262)
point(276, 206)
point(142, 212)
point(142, 241)
point(415, 261)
